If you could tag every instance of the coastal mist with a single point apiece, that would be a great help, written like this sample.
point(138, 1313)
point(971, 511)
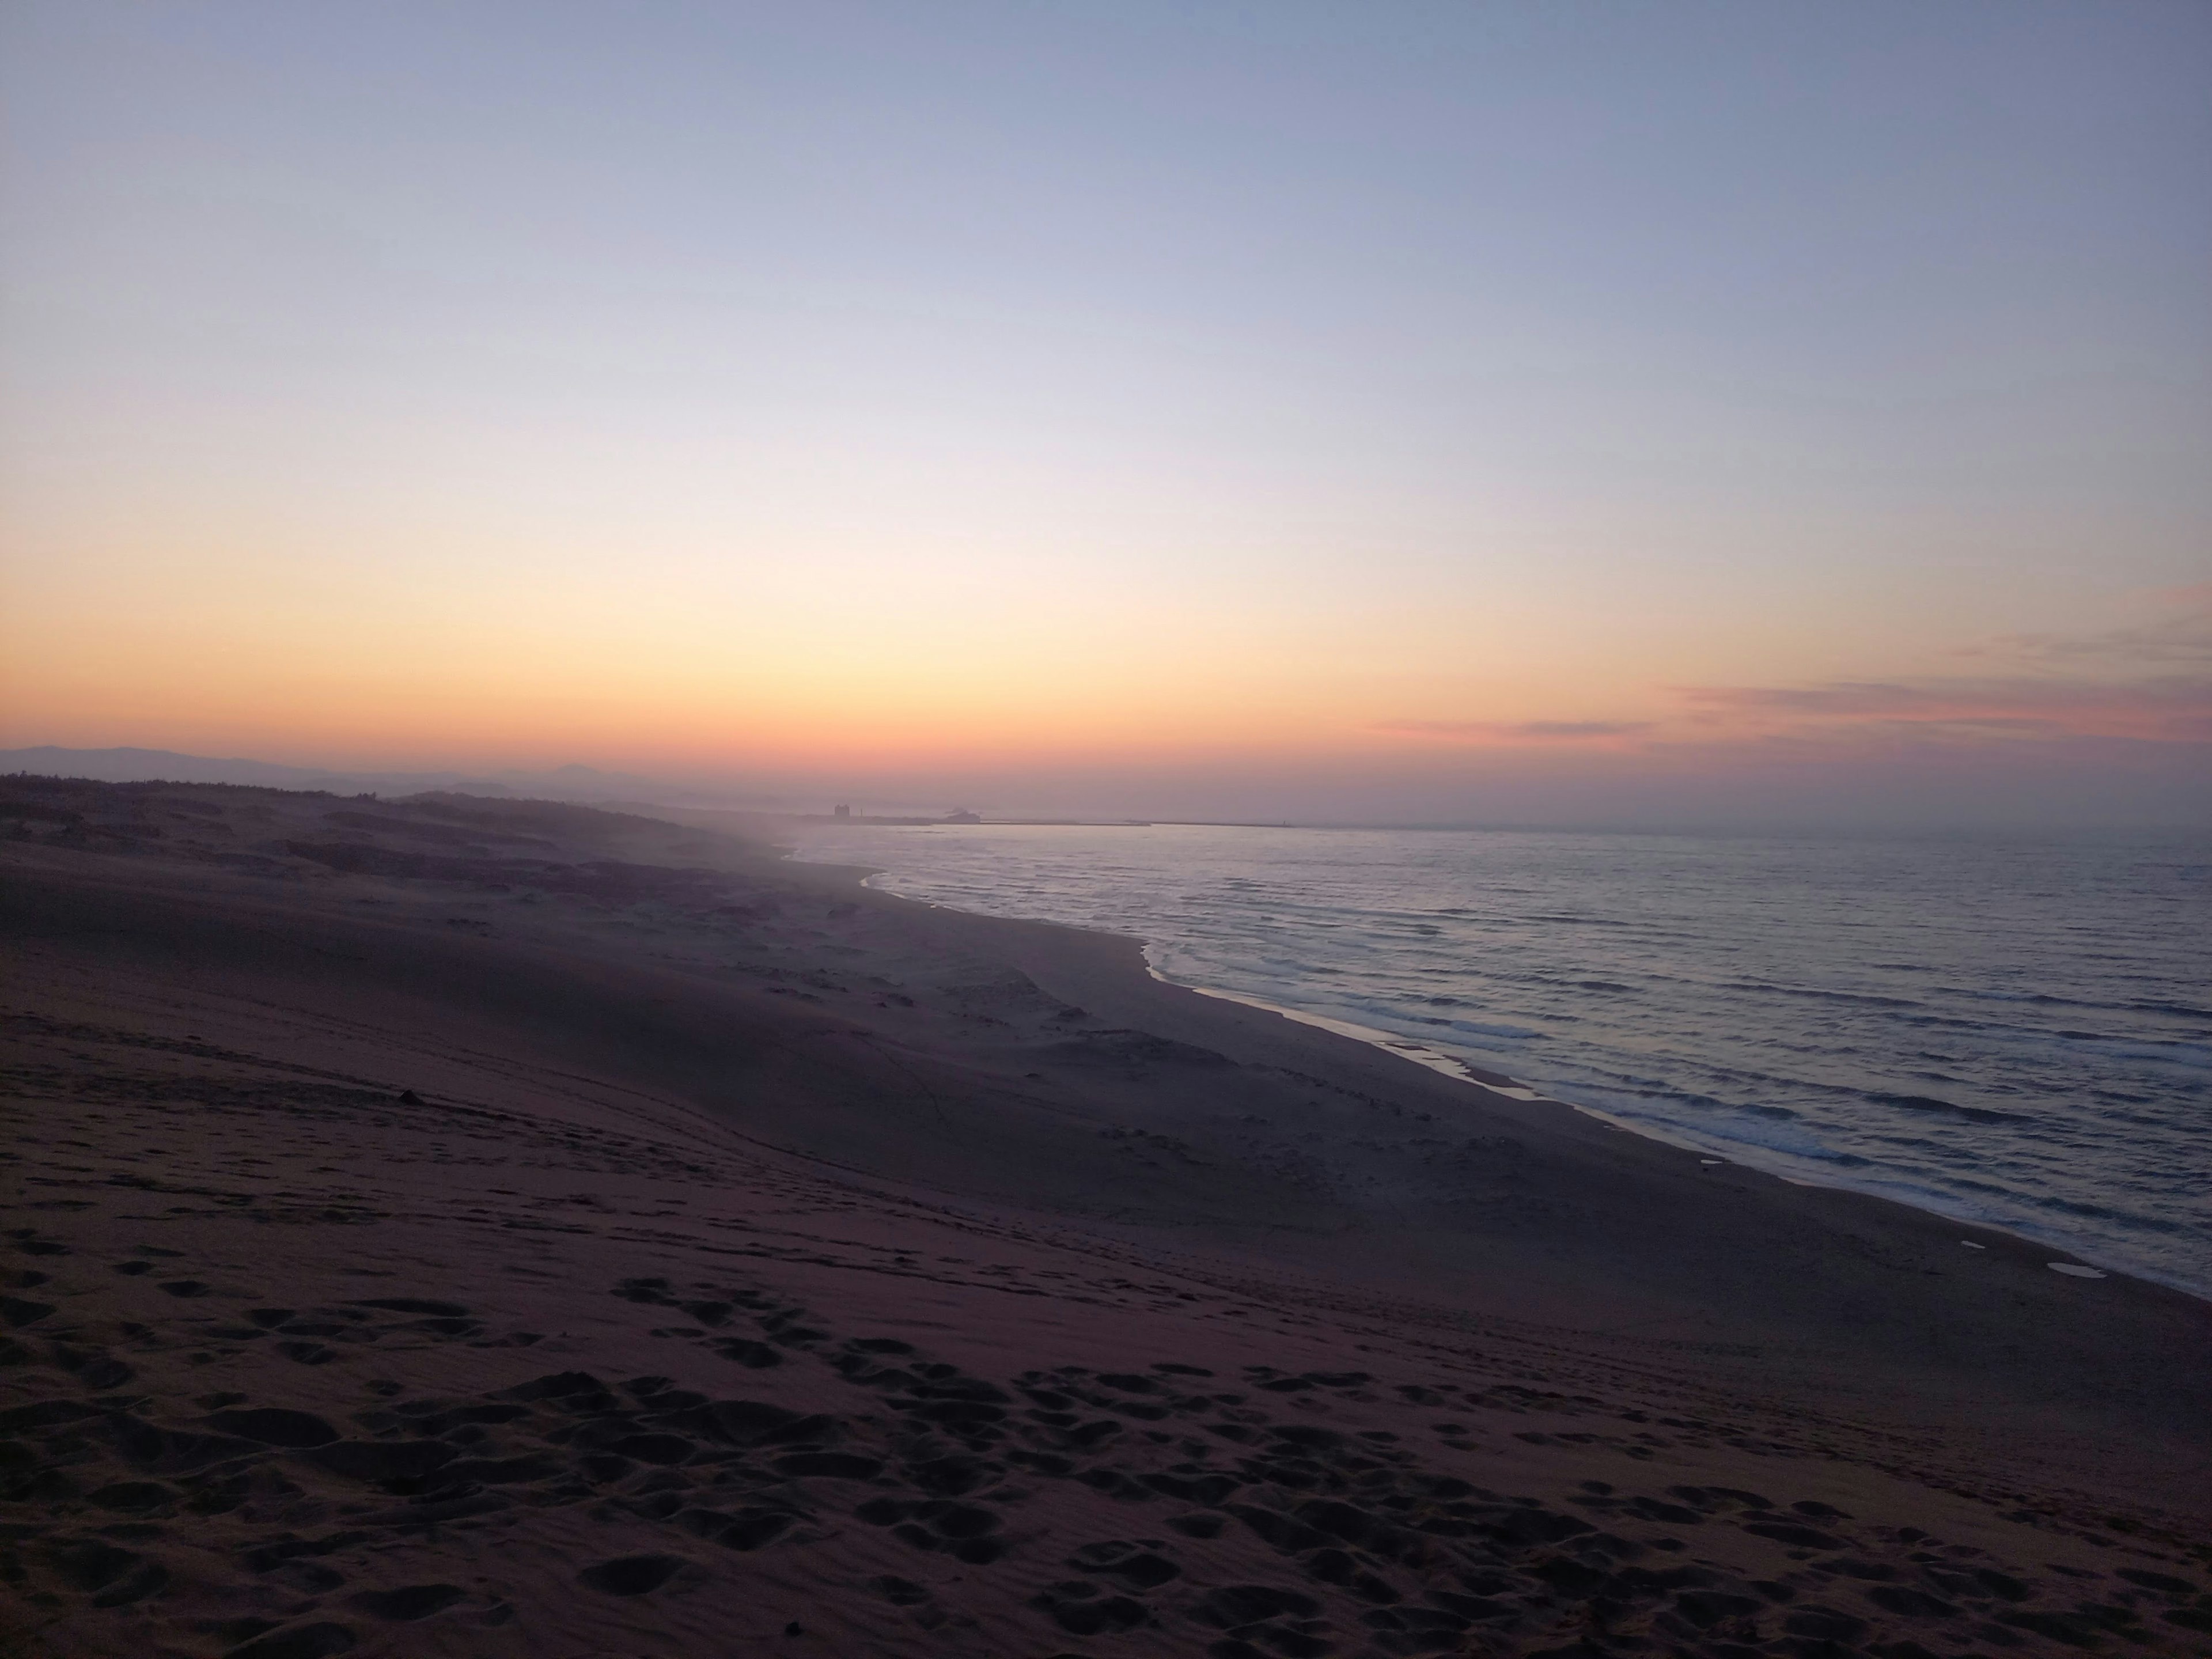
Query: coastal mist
point(2011, 1031)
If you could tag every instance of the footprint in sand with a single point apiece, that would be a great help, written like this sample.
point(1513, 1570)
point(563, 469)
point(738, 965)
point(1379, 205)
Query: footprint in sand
point(962, 1530)
point(273, 1426)
point(1198, 1525)
point(19, 1311)
point(1135, 1564)
point(1083, 1609)
point(316, 1641)
point(145, 1498)
point(748, 1529)
point(632, 1575)
point(1267, 1612)
point(406, 1605)
point(112, 1576)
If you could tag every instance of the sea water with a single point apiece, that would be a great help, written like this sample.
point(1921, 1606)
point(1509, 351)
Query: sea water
point(2010, 1030)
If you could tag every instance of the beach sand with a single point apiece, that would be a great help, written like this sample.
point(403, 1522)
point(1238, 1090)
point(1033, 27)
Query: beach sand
point(458, 1227)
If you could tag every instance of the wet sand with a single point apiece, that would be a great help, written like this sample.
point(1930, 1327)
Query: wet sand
point(465, 1228)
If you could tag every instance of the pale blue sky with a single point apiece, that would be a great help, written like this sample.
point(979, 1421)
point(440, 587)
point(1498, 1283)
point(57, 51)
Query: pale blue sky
point(1456, 365)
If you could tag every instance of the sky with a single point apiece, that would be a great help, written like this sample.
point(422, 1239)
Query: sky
point(1415, 412)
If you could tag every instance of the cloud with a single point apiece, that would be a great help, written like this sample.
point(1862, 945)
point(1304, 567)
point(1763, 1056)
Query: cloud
point(2180, 635)
point(1515, 731)
point(2149, 680)
point(2121, 702)
point(2158, 708)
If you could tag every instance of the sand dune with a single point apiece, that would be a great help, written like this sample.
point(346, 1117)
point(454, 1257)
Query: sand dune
point(452, 1228)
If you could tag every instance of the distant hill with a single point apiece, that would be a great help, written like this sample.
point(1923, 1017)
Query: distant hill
point(150, 765)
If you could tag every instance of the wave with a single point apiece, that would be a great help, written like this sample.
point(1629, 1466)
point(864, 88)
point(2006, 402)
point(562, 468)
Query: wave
point(1930, 1104)
point(1860, 998)
point(2177, 1010)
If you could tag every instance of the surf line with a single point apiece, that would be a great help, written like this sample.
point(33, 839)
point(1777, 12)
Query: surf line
point(1512, 1089)
point(1421, 1055)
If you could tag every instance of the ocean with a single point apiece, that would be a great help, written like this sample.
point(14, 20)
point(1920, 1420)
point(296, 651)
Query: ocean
point(2014, 1031)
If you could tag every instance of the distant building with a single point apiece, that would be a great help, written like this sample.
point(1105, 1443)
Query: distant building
point(841, 811)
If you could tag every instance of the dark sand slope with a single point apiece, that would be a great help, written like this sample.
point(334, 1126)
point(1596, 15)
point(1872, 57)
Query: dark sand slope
point(754, 1263)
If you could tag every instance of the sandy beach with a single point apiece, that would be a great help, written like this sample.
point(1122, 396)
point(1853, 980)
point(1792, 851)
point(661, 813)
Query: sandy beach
point(454, 1226)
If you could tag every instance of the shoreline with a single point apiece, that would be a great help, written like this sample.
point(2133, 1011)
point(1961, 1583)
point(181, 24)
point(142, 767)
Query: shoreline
point(1512, 1089)
point(1904, 1195)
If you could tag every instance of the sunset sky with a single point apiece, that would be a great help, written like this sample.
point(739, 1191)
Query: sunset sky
point(1400, 412)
